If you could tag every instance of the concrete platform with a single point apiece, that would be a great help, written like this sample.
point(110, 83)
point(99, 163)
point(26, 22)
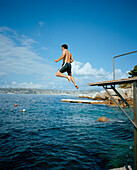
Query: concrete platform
point(82, 101)
point(123, 168)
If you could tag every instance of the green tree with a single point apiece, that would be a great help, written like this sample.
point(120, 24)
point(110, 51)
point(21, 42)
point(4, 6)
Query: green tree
point(133, 72)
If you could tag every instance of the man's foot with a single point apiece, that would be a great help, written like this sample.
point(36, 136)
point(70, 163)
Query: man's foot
point(76, 86)
point(69, 79)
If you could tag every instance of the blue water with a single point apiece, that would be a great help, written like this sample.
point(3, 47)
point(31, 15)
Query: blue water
point(56, 135)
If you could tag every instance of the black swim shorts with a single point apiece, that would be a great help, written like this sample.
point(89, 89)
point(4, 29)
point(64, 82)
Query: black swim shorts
point(66, 67)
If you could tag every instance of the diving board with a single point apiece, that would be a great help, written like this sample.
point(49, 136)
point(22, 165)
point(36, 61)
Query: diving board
point(113, 82)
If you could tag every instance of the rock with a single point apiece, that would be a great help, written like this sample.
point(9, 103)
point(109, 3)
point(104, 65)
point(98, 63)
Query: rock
point(126, 93)
point(100, 96)
point(103, 95)
point(97, 97)
point(103, 119)
point(84, 96)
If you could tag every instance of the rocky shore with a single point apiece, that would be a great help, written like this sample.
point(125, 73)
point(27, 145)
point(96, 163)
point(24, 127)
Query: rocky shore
point(102, 95)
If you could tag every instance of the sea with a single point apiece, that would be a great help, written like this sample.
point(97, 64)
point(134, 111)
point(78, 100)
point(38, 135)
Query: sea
point(54, 135)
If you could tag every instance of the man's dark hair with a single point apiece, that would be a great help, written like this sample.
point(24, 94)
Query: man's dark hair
point(65, 46)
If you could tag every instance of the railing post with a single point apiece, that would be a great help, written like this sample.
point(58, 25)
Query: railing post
point(120, 56)
point(135, 121)
point(113, 69)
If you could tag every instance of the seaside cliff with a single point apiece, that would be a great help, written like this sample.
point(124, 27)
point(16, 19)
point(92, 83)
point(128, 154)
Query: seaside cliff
point(127, 93)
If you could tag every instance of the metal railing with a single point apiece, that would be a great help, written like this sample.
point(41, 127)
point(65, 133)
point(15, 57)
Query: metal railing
point(120, 56)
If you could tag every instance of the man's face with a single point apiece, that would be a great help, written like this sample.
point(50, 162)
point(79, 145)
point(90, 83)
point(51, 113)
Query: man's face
point(62, 48)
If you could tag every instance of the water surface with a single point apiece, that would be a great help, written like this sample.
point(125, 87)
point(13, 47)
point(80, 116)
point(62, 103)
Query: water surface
point(56, 135)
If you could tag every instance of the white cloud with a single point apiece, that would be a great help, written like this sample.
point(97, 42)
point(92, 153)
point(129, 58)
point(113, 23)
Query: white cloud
point(27, 41)
point(26, 85)
point(44, 48)
point(17, 57)
point(85, 73)
point(47, 85)
point(8, 30)
point(41, 23)
point(120, 75)
point(13, 83)
point(3, 74)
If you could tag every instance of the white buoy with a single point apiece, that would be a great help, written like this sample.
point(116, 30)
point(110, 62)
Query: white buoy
point(24, 110)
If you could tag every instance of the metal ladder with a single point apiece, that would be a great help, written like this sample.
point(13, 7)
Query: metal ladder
point(123, 101)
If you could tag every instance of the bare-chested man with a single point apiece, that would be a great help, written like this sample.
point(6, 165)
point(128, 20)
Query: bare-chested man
point(66, 66)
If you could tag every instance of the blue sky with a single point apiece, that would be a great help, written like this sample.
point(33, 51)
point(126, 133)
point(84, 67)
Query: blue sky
point(32, 32)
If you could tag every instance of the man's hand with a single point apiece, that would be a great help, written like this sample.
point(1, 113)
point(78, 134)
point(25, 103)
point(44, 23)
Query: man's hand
point(56, 60)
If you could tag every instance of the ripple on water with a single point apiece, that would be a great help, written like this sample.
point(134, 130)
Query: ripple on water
point(56, 135)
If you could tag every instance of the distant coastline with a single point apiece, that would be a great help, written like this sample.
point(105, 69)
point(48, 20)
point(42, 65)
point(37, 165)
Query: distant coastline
point(45, 91)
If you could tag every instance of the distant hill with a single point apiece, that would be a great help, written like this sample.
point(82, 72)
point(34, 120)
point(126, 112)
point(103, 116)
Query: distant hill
point(43, 91)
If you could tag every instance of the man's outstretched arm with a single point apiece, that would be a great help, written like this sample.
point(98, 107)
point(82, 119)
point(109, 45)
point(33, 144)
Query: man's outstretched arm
point(60, 58)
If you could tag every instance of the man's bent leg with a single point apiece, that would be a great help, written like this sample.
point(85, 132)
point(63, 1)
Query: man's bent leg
point(73, 80)
point(59, 74)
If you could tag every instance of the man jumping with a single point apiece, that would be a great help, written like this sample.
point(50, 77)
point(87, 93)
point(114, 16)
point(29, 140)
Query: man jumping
point(66, 66)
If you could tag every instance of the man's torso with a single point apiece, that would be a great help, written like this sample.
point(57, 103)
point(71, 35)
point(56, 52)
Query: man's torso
point(67, 57)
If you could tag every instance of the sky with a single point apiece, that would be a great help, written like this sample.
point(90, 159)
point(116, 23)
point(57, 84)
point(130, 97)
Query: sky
point(32, 32)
